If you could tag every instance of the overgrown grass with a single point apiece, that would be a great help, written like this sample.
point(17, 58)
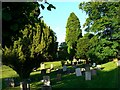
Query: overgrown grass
point(105, 78)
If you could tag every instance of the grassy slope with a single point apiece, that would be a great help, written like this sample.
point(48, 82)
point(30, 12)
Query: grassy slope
point(106, 78)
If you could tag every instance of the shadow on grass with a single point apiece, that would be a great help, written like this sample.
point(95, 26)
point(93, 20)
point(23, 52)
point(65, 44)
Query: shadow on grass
point(108, 80)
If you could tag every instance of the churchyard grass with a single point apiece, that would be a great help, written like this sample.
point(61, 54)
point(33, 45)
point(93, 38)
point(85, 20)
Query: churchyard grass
point(105, 78)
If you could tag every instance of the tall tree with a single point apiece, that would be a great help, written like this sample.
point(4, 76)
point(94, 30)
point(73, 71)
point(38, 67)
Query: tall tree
point(103, 20)
point(73, 33)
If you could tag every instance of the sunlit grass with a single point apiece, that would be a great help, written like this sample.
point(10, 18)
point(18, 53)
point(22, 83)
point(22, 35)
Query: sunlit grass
point(106, 78)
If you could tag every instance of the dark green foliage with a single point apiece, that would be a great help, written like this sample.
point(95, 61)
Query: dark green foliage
point(62, 53)
point(29, 50)
point(73, 33)
point(103, 21)
point(15, 15)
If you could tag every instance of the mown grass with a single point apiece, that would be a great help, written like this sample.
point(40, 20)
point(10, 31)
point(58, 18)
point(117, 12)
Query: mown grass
point(105, 78)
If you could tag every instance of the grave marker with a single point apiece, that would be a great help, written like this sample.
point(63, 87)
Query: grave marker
point(46, 80)
point(88, 75)
point(93, 72)
point(78, 72)
point(118, 63)
point(64, 68)
point(42, 66)
point(51, 67)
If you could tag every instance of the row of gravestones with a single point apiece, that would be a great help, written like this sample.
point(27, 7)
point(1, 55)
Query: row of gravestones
point(78, 72)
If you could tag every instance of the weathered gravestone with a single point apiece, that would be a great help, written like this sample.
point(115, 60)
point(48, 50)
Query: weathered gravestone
point(93, 71)
point(78, 72)
point(88, 75)
point(94, 64)
point(42, 66)
point(64, 69)
point(24, 85)
point(59, 74)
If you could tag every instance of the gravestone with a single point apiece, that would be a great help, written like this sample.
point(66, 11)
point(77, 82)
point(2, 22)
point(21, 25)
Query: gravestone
point(49, 70)
point(51, 67)
point(11, 83)
point(78, 72)
point(46, 80)
point(93, 72)
point(88, 75)
point(118, 63)
point(24, 86)
point(64, 68)
point(94, 64)
point(43, 71)
point(42, 66)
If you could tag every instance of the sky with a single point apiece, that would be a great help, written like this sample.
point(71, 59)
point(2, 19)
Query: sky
point(57, 18)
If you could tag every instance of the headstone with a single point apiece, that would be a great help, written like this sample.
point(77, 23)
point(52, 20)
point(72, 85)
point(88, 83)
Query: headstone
point(49, 70)
point(24, 86)
point(42, 66)
point(43, 71)
point(118, 63)
point(12, 83)
point(64, 68)
point(46, 80)
point(88, 75)
point(51, 66)
point(94, 64)
point(93, 72)
point(78, 72)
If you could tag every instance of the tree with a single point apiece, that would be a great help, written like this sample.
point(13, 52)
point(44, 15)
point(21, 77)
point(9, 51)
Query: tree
point(73, 33)
point(15, 15)
point(29, 50)
point(103, 21)
point(83, 46)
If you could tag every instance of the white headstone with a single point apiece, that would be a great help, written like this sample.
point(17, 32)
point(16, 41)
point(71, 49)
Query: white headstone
point(64, 68)
point(51, 66)
point(88, 75)
point(46, 80)
point(94, 64)
point(78, 72)
point(42, 66)
point(118, 63)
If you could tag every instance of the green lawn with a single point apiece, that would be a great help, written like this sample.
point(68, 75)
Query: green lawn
point(105, 78)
